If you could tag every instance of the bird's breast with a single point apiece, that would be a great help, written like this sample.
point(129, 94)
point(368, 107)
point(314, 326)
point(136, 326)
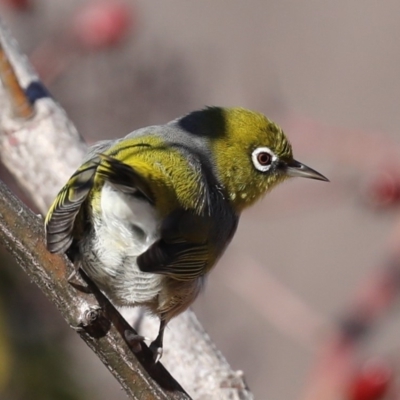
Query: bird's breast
point(125, 226)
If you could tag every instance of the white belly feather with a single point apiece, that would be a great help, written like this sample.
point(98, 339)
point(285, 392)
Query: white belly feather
point(127, 227)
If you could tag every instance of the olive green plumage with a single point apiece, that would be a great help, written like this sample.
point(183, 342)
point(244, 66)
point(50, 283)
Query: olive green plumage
point(147, 216)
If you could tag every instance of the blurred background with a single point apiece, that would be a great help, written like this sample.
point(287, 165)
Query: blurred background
point(305, 299)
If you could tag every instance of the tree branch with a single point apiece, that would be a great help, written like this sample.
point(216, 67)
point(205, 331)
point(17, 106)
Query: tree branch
point(41, 152)
point(23, 235)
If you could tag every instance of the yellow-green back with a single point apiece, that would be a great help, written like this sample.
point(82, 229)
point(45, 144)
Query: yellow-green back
point(162, 169)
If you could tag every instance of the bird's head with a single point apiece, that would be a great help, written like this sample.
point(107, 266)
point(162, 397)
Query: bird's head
point(250, 153)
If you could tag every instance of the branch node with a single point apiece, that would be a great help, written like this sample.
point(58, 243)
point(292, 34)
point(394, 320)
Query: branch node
point(93, 321)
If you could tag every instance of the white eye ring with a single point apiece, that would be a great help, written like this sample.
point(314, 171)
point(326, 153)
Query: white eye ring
point(261, 160)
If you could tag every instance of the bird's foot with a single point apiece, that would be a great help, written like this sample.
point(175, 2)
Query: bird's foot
point(157, 350)
point(134, 340)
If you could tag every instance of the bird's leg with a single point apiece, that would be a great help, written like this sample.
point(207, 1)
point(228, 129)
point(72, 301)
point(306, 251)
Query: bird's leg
point(157, 345)
point(137, 324)
point(132, 337)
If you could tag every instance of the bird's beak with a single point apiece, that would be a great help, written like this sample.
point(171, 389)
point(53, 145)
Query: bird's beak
point(295, 168)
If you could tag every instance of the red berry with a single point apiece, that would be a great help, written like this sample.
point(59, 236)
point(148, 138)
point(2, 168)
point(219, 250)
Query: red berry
point(384, 189)
point(372, 381)
point(102, 23)
point(19, 5)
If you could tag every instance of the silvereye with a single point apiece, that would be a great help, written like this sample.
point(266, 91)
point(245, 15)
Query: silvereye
point(148, 216)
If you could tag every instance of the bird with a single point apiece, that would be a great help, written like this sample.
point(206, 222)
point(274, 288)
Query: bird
point(148, 216)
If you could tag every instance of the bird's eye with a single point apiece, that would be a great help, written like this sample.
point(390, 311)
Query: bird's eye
point(263, 158)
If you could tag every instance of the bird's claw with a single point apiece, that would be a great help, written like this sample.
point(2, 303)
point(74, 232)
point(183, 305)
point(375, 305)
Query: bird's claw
point(157, 351)
point(134, 340)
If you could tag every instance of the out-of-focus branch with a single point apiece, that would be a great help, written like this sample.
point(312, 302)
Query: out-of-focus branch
point(20, 104)
point(41, 153)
